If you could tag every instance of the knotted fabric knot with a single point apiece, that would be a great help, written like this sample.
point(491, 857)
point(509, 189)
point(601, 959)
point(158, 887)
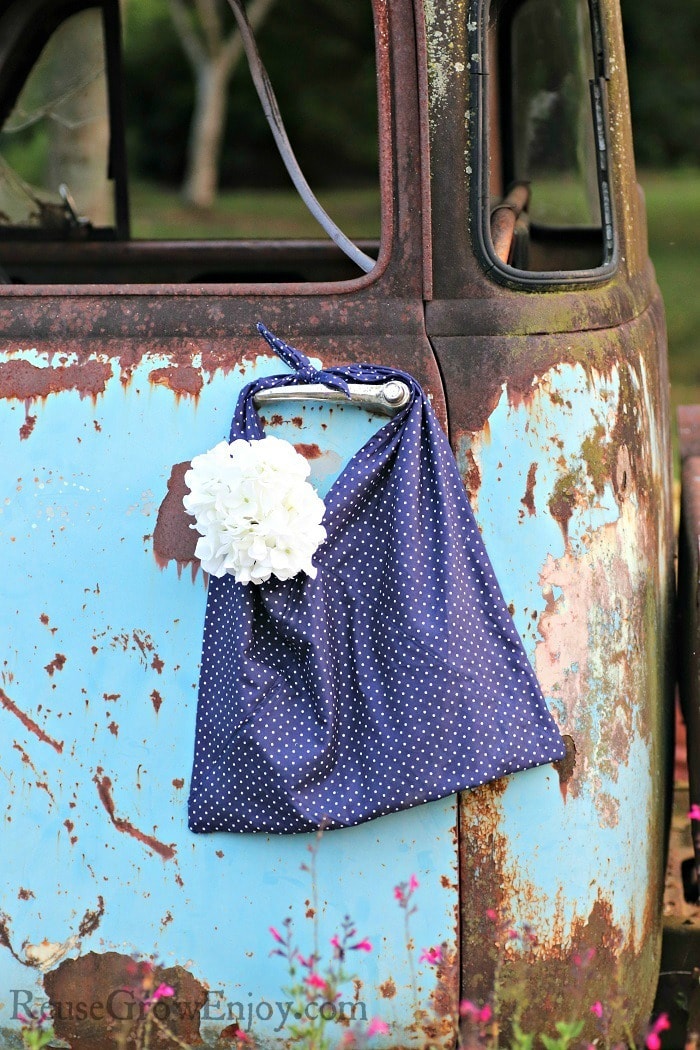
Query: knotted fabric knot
point(300, 363)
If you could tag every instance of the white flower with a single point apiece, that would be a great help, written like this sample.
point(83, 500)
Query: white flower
point(256, 513)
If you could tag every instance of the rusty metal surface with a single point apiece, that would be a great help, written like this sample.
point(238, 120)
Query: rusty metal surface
point(558, 409)
point(571, 486)
point(105, 393)
point(689, 597)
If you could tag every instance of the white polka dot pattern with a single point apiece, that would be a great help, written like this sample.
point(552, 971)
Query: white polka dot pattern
point(396, 677)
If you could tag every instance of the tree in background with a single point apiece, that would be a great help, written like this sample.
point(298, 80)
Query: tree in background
point(213, 53)
point(320, 58)
point(662, 61)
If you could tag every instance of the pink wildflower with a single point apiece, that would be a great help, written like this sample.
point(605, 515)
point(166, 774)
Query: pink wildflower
point(362, 946)
point(277, 935)
point(597, 1009)
point(315, 981)
point(377, 1027)
point(334, 941)
point(306, 961)
point(661, 1024)
point(398, 893)
point(242, 1036)
point(432, 956)
point(512, 935)
point(479, 1015)
point(413, 883)
point(163, 991)
point(491, 914)
point(582, 961)
point(694, 812)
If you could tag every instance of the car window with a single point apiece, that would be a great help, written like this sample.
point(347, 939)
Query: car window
point(192, 122)
point(54, 144)
point(548, 179)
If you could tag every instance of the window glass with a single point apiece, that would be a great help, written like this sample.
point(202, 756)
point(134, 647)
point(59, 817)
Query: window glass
point(194, 158)
point(544, 165)
point(203, 163)
point(553, 144)
point(58, 134)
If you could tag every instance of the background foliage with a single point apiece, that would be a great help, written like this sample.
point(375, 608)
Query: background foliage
point(664, 74)
point(320, 58)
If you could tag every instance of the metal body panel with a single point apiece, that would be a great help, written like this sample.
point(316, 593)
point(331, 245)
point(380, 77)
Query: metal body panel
point(571, 489)
point(557, 398)
point(98, 703)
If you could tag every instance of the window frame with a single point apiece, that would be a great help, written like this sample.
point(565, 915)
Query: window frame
point(505, 273)
point(118, 235)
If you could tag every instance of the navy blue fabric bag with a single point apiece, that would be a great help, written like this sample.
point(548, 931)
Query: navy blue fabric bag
point(395, 677)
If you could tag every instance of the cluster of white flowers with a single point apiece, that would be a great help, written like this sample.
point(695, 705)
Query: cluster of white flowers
point(257, 514)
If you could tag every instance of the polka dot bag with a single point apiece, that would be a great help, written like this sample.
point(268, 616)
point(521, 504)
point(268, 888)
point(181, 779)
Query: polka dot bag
point(394, 677)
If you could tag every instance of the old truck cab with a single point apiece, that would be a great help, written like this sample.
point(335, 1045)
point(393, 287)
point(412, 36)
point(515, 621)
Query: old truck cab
point(510, 276)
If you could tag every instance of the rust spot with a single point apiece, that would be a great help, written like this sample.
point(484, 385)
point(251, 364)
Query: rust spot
point(472, 475)
point(57, 664)
point(25, 895)
point(181, 379)
point(167, 919)
point(308, 451)
point(565, 766)
point(528, 500)
point(29, 723)
point(219, 853)
point(173, 539)
point(91, 919)
point(113, 728)
point(157, 664)
point(45, 620)
point(596, 455)
point(104, 790)
point(110, 696)
point(179, 783)
point(387, 990)
point(445, 995)
point(23, 381)
point(25, 757)
point(94, 1003)
point(276, 420)
point(43, 786)
point(143, 644)
point(27, 427)
point(298, 422)
point(6, 941)
point(563, 500)
point(97, 426)
point(310, 912)
point(69, 825)
point(156, 700)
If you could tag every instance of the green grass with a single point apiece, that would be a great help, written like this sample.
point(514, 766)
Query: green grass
point(673, 212)
point(159, 212)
